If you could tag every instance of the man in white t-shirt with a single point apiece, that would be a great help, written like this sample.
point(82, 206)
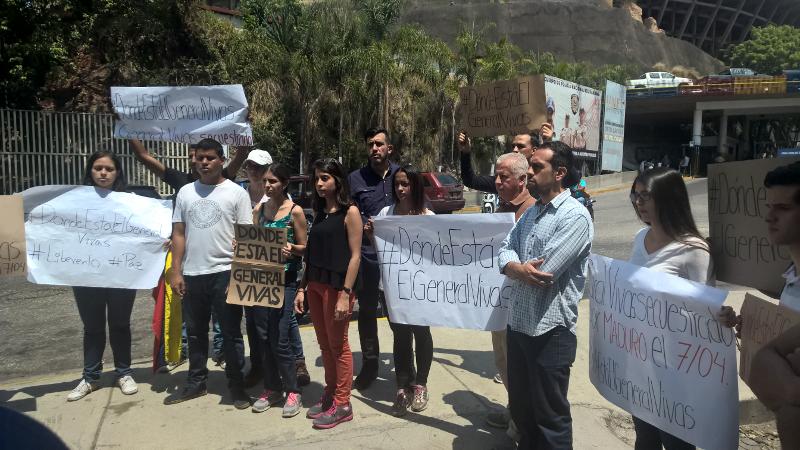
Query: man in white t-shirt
point(783, 224)
point(206, 212)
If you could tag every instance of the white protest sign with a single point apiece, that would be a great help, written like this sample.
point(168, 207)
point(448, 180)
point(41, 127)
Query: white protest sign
point(442, 270)
point(182, 114)
point(657, 351)
point(87, 236)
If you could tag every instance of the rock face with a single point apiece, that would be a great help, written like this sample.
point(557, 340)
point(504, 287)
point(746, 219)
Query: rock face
point(574, 30)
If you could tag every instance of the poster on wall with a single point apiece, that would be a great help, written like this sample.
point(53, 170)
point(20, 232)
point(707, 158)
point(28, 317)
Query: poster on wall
point(574, 112)
point(613, 127)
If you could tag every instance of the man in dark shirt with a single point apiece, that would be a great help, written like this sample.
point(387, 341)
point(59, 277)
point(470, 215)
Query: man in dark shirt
point(371, 189)
point(177, 179)
point(525, 143)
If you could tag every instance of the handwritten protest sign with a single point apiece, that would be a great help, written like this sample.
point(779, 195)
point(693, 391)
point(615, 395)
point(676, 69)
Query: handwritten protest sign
point(658, 352)
point(87, 236)
point(740, 245)
point(257, 273)
point(504, 107)
point(442, 270)
point(762, 321)
point(182, 114)
point(12, 237)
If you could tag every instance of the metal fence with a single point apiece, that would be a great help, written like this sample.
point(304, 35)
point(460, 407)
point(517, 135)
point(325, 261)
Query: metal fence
point(40, 147)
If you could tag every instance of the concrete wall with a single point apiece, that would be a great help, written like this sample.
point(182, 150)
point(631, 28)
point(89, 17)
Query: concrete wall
point(575, 30)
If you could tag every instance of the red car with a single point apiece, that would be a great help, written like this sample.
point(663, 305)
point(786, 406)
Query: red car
point(443, 192)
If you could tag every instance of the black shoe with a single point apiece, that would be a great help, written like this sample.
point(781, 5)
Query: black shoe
point(253, 377)
point(367, 375)
point(240, 399)
point(303, 377)
point(188, 393)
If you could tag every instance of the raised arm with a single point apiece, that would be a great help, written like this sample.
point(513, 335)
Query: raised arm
point(478, 182)
point(143, 156)
point(236, 163)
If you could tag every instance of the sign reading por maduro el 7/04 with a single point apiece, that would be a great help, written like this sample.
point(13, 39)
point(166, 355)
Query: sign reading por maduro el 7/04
point(257, 272)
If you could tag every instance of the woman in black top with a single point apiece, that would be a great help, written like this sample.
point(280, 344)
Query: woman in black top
point(333, 254)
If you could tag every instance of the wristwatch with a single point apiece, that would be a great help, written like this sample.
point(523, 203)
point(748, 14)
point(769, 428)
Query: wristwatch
point(347, 290)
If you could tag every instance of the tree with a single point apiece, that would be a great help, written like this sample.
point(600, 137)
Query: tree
point(769, 50)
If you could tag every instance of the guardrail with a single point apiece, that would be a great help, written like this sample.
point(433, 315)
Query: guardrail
point(737, 86)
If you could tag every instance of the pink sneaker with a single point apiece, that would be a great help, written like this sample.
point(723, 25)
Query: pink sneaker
point(323, 405)
point(334, 416)
point(293, 404)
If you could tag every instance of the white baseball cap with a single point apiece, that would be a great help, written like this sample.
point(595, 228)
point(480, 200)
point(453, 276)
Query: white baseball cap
point(260, 157)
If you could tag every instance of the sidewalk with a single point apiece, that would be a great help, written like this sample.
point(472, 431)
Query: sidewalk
point(461, 393)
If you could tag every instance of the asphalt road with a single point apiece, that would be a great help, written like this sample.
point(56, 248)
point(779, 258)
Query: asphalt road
point(41, 332)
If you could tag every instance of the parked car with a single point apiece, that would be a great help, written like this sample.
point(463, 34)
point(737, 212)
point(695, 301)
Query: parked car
point(443, 192)
point(657, 80)
point(301, 190)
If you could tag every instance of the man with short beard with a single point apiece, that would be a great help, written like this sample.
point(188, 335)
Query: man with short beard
point(546, 257)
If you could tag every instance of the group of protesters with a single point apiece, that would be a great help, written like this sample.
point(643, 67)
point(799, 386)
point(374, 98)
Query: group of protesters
point(332, 263)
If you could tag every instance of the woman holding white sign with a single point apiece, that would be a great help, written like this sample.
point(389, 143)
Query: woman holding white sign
point(104, 171)
point(333, 255)
point(671, 244)
point(412, 390)
point(273, 326)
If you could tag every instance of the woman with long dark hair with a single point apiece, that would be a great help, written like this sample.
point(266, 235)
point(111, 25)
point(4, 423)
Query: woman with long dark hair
point(333, 255)
point(104, 170)
point(670, 243)
point(412, 383)
point(274, 326)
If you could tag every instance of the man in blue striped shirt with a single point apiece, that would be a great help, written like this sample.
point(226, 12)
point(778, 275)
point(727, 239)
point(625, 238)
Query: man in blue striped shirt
point(546, 256)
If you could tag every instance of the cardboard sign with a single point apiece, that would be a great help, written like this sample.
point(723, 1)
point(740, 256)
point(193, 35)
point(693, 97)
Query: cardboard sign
point(762, 321)
point(88, 236)
point(442, 270)
point(257, 272)
point(12, 237)
point(259, 245)
point(503, 108)
point(256, 285)
point(185, 114)
point(740, 244)
point(657, 351)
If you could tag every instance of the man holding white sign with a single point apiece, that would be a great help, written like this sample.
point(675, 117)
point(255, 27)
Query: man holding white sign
point(545, 256)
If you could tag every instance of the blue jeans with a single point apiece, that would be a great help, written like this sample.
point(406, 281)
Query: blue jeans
point(273, 332)
point(216, 340)
point(204, 294)
point(93, 306)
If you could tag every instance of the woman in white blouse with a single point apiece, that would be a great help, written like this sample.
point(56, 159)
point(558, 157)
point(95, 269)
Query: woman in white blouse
point(670, 243)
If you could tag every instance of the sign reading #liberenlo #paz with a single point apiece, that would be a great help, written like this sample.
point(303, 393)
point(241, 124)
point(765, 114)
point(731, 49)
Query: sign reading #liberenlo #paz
point(257, 273)
point(87, 236)
point(442, 270)
point(657, 351)
point(737, 209)
point(184, 114)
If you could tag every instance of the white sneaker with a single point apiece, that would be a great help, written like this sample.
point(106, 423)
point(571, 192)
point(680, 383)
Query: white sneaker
point(82, 390)
point(127, 385)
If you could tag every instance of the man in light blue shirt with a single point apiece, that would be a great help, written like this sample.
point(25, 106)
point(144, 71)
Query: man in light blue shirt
point(546, 256)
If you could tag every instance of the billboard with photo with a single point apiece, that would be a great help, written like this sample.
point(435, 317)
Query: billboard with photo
point(574, 112)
